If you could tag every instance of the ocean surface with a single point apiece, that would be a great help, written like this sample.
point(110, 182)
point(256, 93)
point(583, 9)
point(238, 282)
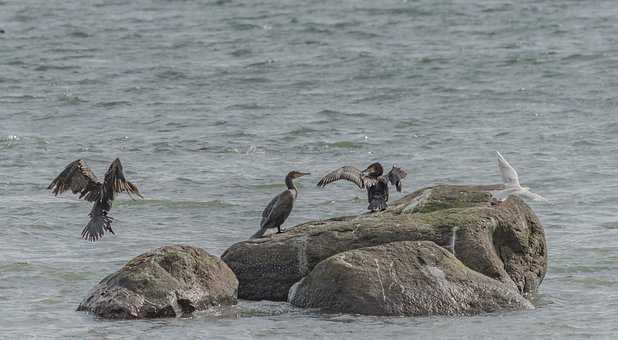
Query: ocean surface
point(210, 103)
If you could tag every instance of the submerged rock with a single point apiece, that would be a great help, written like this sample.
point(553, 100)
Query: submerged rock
point(402, 278)
point(166, 282)
point(504, 242)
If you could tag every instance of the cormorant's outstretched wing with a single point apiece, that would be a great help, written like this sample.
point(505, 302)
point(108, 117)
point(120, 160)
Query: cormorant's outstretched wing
point(509, 175)
point(395, 176)
point(349, 173)
point(99, 222)
point(115, 182)
point(78, 177)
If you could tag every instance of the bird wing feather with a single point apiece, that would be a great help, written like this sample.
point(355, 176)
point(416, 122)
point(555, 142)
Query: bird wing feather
point(348, 173)
point(77, 177)
point(508, 173)
point(268, 210)
point(277, 210)
point(395, 176)
point(533, 196)
point(115, 182)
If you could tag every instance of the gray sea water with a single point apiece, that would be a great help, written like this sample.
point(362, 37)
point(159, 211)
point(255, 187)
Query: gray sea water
point(210, 103)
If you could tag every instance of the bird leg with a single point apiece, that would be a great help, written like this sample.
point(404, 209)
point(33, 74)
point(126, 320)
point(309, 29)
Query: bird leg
point(279, 231)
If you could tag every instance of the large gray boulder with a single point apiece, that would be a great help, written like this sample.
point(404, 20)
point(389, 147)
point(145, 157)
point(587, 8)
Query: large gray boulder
point(505, 242)
point(402, 278)
point(166, 282)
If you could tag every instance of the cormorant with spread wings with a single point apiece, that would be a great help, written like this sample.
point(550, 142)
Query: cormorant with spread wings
point(78, 178)
point(371, 179)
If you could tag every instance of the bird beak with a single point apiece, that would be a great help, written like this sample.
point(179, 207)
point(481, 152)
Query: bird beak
point(305, 174)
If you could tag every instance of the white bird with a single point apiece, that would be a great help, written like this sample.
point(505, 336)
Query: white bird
point(511, 183)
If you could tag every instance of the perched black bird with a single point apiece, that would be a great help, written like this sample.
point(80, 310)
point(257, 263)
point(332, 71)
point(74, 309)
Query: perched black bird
point(78, 177)
point(280, 207)
point(371, 179)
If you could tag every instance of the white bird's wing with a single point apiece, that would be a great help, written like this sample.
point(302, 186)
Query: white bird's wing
point(509, 175)
point(532, 196)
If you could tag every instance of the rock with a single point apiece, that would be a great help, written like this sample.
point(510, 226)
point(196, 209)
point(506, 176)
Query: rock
point(505, 242)
point(166, 282)
point(402, 278)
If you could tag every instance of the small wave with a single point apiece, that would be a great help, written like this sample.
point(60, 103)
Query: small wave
point(254, 80)
point(339, 114)
point(520, 61)
point(409, 123)
point(243, 52)
point(189, 180)
point(71, 99)
point(8, 142)
point(173, 204)
point(610, 225)
point(247, 106)
point(344, 145)
point(171, 75)
point(16, 267)
point(303, 131)
point(611, 128)
point(79, 34)
point(266, 62)
point(337, 145)
point(55, 67)
point(112, 103)
point(585, 143)
point(242, 26)
point(312, 28)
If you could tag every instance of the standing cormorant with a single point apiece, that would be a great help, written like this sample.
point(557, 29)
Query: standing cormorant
point(78, 177)
point(371, 179)
point(280, 207)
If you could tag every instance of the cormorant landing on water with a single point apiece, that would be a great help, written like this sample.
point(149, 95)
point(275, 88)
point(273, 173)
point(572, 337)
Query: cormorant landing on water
point(371, 179)
point(279, 208)
point(78, 177)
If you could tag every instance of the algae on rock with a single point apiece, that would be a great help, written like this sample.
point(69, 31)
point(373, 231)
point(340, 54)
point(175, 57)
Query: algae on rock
point(402, 278)
point(166, 282)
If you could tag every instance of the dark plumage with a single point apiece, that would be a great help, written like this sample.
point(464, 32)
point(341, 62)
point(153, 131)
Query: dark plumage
point(78, 178)
point(280, 207)
point(371, 179)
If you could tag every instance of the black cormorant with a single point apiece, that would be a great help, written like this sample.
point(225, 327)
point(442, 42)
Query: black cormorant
point(279, 208)
point(371, 179)
point(78, 177)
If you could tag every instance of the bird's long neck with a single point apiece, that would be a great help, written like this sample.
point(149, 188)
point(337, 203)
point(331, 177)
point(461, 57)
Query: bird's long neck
point(290, 183)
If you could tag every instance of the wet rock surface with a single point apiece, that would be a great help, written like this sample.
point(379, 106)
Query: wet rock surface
point(402, 278)
point(170, 281)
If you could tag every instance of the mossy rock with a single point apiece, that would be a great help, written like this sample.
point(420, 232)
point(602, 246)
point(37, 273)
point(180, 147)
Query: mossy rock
point(170, 281)
point(505, 242)
point(408, 278)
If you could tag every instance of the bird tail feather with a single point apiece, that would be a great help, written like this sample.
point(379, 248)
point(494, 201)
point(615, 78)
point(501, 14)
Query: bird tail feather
point(259, 233)
point(98, 224)
point(377, 204)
